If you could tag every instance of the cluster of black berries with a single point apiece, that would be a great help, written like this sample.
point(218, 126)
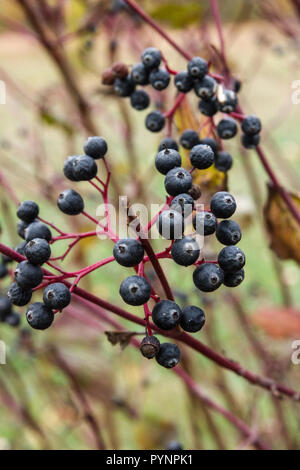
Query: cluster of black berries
point(213, 96)
point(29, 273)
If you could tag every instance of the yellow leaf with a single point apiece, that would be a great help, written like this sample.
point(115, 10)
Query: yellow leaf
point(283, 229)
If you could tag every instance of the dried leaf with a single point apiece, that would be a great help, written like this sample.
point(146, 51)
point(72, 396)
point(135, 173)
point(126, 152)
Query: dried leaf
point(283, 229)
point(210, 180)
point(278, 322)
point(119, 337)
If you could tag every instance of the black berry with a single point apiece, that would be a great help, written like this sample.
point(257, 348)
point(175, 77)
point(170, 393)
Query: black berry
point(5, 307)
point(205, 223)
point(183, 82)
point(166, 314)
point(128, 252)
point(234, 279)
point(208, 277)
point(170, 224)
point(228, 101)
point(178, 181)
point(28, 211)
point(227, 129)
point(155, 121)
point(183, 203)
point(70, 202)
point(250, 141)
point(251, 125)
point(37, 251)
point(151, 57)
point(223, 205)
point(140, 74)
point(84, 168)
point(124, 86)
point(39, 316)
point(208, 107)
point(27, 275)
point(197, 67)
point(169, 143)
point(212, 143)
point(135, 290)
point(231, 259)
point(13, 319)
point(189, 139)
point(57, 296)
point(37, 230)
point(159, 79)
point(185, 251)
point(193, 319)
point(139, 100)
point(228, 232)
point(202, 156)
point(19, 296)
point(166, 160)
point(95, 147)
point(168, 355)
point(223, 161)
point(206, 87)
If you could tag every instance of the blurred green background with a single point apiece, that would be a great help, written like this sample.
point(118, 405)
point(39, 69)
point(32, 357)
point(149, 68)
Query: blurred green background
point(137, 404)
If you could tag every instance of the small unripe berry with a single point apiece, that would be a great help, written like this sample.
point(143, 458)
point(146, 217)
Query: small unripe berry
point(149, 346)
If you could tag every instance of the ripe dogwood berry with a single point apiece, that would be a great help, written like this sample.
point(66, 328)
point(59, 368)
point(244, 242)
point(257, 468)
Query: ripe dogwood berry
point(159, 79)
point(234, 279)
point(95, 147)
point(206, 87)
point(168, 355)
point(70, 202)
point(178, 181)
point(170, 224)
point(185, 251)
point(208, 277)
point(37, 230)
point(140, 74)
point(124, 86)
point(166, 160)
point(135, 290)
point(128, 252)
point(21, 248)
point(139, 100)
point(19, 296)
point(166, 314)
point(151, 57)
point(169, 143)
point(183, 82)
point(28, 211)
point(193, 319)
point(231, 259)
point(69, 168)
point(57, 296)
point(251, 125)
point(223, 205)
point(227, 129)
point(37, 251)
point(183, 203)
point(228, 232)
point(155, 121)
point(202, 156)
point(27, 275)
point(223, 161)
point(197, 67)
point(205, 223)
point(189, 139)
point(39, 316)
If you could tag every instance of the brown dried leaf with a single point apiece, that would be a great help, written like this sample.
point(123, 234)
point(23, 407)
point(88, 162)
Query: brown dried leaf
point(119, 337)
point(283, 229)
point(278, 322)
